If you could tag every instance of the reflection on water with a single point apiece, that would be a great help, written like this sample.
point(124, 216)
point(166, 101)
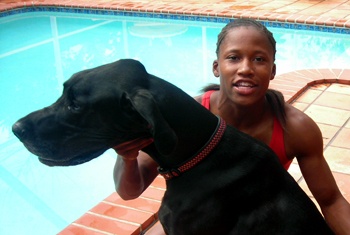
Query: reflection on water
point(39, 52)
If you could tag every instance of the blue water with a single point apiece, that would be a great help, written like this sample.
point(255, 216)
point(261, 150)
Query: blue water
point(39, 51)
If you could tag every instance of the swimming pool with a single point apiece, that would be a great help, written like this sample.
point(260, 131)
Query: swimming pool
point(39, 51)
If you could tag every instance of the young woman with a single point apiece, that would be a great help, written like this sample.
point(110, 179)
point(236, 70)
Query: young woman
point(245, 65)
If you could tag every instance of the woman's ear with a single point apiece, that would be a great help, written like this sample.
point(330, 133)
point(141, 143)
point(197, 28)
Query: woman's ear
point(215, 69)
point(273, 73)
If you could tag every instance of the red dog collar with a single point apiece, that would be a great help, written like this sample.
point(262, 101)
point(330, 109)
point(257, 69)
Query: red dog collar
point(205, 151)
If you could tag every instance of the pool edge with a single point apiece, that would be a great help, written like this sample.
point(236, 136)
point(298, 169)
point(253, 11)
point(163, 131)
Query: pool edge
point(310, 21)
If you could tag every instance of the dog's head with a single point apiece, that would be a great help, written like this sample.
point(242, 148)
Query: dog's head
point(99, 109)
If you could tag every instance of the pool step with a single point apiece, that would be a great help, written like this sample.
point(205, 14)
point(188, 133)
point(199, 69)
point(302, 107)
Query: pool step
point(115, 216)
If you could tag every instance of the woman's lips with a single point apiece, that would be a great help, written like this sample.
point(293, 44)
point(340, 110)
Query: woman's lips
point(244, 88)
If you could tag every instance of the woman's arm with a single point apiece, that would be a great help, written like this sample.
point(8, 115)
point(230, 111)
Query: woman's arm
point(304, 140)
point(134, 170)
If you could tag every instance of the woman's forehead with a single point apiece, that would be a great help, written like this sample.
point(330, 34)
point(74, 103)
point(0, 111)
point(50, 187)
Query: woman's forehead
point(249, 31)
point(247, 35)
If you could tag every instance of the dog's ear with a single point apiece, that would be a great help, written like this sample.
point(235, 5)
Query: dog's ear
point(164, 137)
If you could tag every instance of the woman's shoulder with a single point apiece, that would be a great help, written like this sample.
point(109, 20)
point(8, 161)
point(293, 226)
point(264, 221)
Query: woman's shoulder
point(206, 92)
point(198, 98)
point(302, 133)
point(204, 96)
point(297, 118)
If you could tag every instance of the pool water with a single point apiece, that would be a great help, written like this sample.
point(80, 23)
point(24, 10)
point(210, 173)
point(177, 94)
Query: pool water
point(39, 51)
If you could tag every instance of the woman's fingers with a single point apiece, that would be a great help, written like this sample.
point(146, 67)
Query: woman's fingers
point(130, 149)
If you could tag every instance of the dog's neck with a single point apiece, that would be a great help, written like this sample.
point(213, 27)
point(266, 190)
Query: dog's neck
point(193, 124)
point(197, 158)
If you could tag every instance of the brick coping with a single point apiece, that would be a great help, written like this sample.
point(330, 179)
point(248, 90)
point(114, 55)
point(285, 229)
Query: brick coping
point(206, 9)
point(293, 84)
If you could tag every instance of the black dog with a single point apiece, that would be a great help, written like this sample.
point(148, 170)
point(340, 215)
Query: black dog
point(219, 180)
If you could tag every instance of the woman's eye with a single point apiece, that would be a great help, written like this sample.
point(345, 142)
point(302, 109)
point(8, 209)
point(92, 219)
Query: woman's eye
point(233, 57)
point(259, 59)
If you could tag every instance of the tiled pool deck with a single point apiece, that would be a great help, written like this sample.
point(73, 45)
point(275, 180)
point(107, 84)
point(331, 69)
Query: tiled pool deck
point(324, 94)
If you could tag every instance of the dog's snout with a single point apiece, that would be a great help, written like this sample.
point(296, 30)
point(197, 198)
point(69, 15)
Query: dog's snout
point(19, 130)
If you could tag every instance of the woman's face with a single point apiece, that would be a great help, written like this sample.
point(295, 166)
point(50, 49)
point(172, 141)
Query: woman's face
point(245, 65)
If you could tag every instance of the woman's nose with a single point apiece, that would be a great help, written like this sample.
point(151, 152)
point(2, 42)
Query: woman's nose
point(245, 67)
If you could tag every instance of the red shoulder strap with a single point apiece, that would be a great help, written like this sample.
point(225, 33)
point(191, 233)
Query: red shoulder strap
point(277, 144)
point(206, 99)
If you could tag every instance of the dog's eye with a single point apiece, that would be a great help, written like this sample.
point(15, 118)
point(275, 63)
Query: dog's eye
point(74, 107)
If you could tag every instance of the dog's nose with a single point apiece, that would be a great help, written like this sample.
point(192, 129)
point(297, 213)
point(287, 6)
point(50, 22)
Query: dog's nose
point(19, 130)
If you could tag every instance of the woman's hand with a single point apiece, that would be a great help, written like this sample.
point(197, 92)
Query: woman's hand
point(134, 170)
point(130, 150)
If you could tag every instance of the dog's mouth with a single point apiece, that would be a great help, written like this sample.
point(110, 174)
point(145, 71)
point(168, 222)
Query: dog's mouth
point(51, 157)
point(63, 154)
point(76, 160)
point(71, 162)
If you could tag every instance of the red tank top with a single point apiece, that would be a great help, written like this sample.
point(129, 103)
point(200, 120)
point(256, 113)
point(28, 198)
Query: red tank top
point(277, 139)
